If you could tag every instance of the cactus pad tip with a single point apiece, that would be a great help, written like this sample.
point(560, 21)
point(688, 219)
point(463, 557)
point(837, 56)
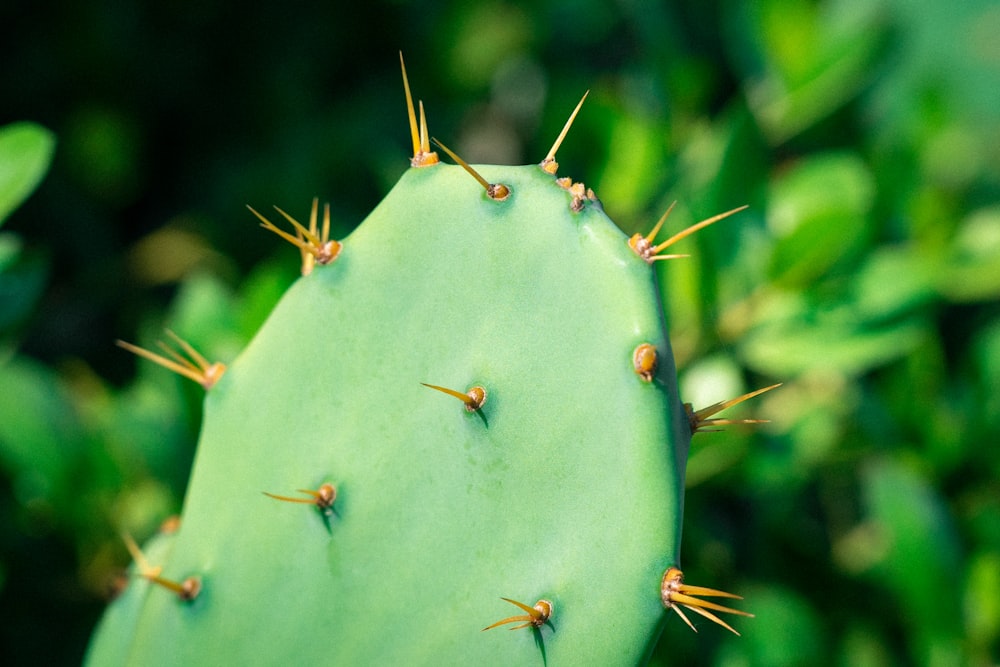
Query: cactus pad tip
point(549, 164)
point(423, 156)
point(495, 191)
point(314, 244)
point(643, 245)
point(194, 366)
point(674, 594)
point(534, 617)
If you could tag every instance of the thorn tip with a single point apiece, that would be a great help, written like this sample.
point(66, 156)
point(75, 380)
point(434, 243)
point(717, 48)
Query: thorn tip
point(474, 398)
point(495, 191)
point(193, 366)
point(323, 498)
point(643, 245)
point(674, 594)
point(423, 156)
point(315, 247)
point(549, 164)
point(534, 617)
point(700, 419)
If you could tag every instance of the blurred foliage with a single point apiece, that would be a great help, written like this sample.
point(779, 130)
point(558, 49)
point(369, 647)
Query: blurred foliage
point(861, 524)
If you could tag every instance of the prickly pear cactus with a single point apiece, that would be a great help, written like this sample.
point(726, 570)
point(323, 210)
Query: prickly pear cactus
point(463, 418)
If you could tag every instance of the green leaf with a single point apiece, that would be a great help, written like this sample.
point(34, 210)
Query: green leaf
point(921, 556)
point(802, 60)
point(972, 272)
point(25, 152)
point(22, 280)
point(982, 599)
point(787, 631)
point(38, 430)
point(819, 211)
point(893, 281)
point(793, 348)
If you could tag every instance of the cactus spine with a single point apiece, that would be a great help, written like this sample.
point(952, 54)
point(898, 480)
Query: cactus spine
point(556, 487)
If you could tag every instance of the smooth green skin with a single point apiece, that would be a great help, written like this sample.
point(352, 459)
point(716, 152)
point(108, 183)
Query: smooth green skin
point(570, 489)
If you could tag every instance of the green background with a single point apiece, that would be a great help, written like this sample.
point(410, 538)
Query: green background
point(862, 524)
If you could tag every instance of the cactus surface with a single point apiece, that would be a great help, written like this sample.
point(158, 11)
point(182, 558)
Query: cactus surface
point(463, 419)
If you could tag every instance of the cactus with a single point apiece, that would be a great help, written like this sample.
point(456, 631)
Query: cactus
point(345, 508)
